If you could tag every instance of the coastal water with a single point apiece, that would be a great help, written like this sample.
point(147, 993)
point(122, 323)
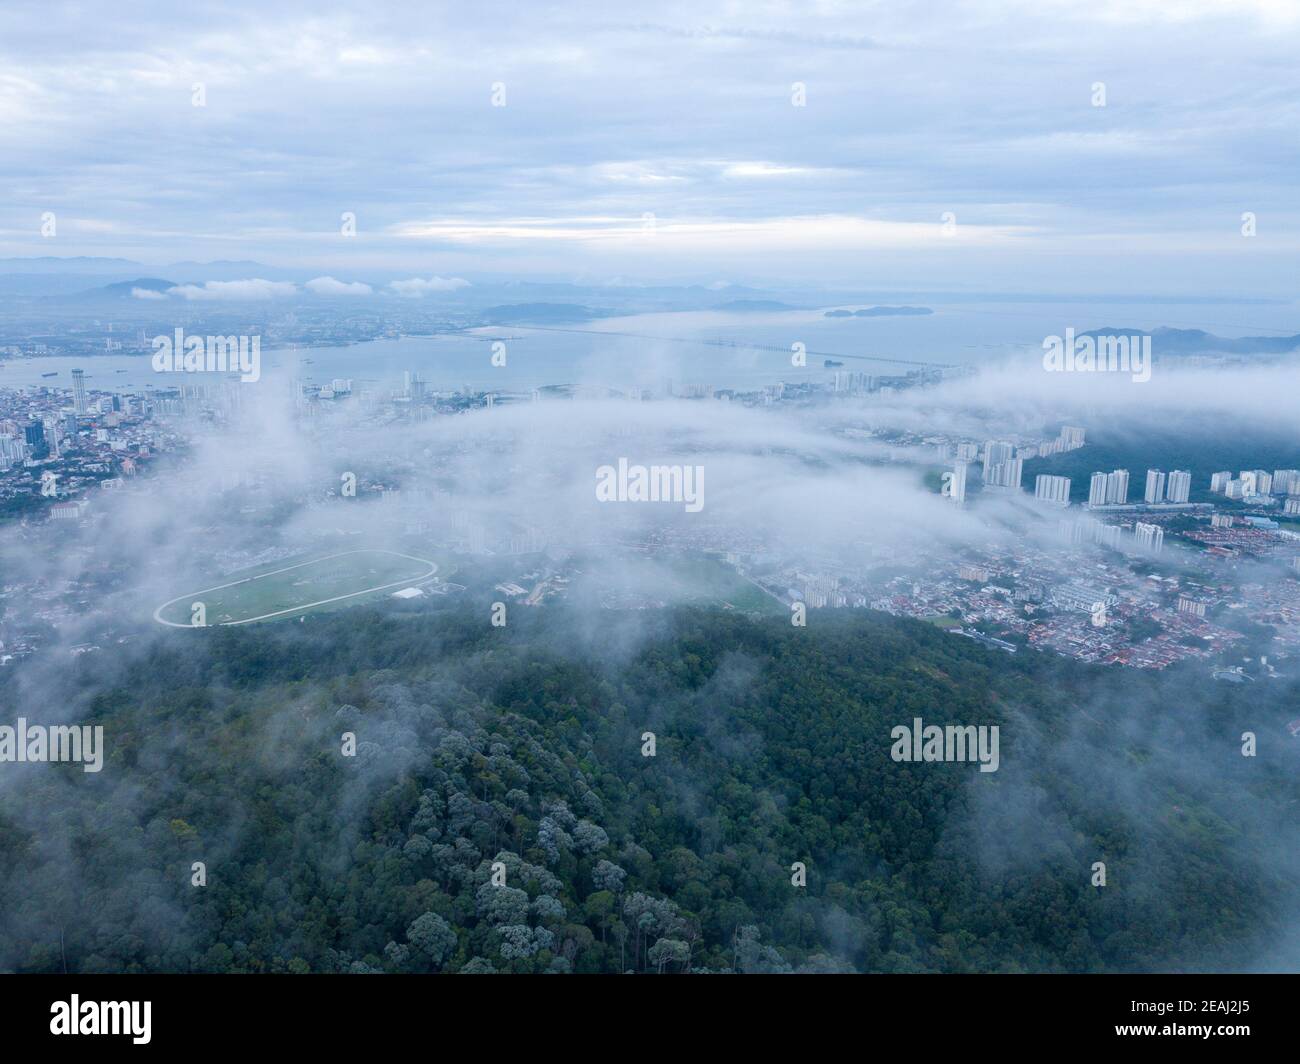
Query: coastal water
point(649, 350)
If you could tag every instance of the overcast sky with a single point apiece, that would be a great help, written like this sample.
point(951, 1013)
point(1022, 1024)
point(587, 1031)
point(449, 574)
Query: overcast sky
point(663, 142)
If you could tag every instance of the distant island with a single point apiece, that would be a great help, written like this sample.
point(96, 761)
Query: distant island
point(879, 312)
point(1169, 341)
point(126, 289)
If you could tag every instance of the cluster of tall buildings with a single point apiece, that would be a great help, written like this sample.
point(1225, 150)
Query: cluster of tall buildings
point(1286, 481)
point(1070, 439)
point(42, 437)
point(337, 388)
point(1002, 466)
point(1050, 489)
point(12, 451)
point(1149, 537)
point(850, 382)
point(50, 434)
point(1092, 531)
point(1109, 489)
point(1176, 486)
point(1002, 469)
point(412, 386)
point(1260, 486)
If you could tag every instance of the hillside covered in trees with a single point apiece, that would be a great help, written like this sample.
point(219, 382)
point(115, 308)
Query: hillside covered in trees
point(525, 748)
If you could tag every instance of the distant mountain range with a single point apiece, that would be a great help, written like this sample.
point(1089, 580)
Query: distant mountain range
point(81, 264)
point(63, 283)
point(84, 265)
point(1167, 341)
point(124, 289)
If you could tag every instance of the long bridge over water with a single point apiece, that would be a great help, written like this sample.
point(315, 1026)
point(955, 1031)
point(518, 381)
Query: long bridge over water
point(745, 344)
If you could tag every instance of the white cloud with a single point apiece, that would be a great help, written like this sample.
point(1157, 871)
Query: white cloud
point(146, 293)
point(635, 173)
point(418, 286)
point(763, 170)
point(685, 119)
point(328, 286)
point(252, 288)
point(693, 236)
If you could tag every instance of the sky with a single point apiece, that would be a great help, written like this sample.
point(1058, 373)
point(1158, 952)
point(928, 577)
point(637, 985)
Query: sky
point(960, 146)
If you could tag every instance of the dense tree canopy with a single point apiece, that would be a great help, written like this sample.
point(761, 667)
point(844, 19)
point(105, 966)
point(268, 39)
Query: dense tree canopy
point(499, 813)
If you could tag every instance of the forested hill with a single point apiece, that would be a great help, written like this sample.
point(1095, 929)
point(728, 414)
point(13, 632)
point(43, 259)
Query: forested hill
point(523, 747)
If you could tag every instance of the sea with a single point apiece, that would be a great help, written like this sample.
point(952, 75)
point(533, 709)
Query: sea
point(649, 351)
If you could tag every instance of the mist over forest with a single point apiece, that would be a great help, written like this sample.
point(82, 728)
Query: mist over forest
point(732, 488)
point(523, 743)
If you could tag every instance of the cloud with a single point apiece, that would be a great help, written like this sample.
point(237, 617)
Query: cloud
point(637, 173)
point(252, 288)
point(416, 287)
point(146, 293)
point(328, 286)
point(763, 170)
point(689, 119)
point(690, 236)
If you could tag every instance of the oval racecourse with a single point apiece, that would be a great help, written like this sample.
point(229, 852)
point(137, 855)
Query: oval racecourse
point(295, 589)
